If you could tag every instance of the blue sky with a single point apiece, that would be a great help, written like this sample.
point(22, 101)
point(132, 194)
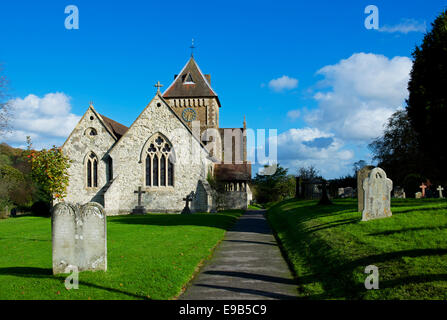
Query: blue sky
point(309, 69)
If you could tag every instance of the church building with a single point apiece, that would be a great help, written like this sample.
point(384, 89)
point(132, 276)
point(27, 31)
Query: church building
point(173, 149)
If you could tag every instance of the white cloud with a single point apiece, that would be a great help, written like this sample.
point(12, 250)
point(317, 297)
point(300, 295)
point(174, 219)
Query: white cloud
point(283, 83)
point(47, 120)
point(405, 26)
point(311, 146)
point(293, 114)
point(364, 90)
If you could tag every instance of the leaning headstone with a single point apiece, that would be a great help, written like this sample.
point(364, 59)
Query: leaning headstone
point(399, 193)
point(377, 191)
point(79, 237)
point(362, 174)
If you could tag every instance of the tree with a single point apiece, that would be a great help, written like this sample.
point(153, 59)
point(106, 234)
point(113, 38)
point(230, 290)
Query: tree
point(427, 102)
point(49, 169)
point(397, 151)
point(5, 112)
point(275, 187)
point(310, 173)
point(358, 165)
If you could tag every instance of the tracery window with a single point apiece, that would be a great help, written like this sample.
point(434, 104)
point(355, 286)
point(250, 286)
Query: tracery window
point(92, 171)
point(159, 165)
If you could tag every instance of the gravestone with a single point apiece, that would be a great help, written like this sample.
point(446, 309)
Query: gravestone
point(187, 200)
point(423, 187)
point(139, 209)
point(418, 195)
point(377, 191)
point(362, 174)
point(399, 193)
point(324, 196)
point(79, 237)
point(440, 189)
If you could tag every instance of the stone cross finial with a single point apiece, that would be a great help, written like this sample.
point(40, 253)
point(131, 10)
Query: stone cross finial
point(158, 85)
point(440, 189)
point(423, 187)
point(91, 103)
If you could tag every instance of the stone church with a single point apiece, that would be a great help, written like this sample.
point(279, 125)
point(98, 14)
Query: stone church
point(173, 148)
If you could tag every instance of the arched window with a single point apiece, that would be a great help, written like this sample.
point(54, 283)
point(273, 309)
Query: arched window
point(159, 165)
point(92, 171)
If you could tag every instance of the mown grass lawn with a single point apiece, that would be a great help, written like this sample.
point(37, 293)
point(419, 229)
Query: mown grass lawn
point(149, 257)
point(329, 248)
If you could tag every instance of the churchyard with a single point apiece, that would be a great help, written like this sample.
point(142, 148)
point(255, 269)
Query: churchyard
point(329, 248)
point(149, 257)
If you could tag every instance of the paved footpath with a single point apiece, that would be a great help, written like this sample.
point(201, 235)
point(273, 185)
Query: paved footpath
point(246, 265)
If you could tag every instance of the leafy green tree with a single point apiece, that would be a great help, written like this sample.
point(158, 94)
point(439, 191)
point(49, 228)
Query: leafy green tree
point(49, 169)
point(275, 187)
point(427, 103)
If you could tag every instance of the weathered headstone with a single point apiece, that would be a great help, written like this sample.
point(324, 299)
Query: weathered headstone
point(324, 200)
point(187, 200)
point(440, 189)
point(79, 237)
point(418, 195)
point(377, 191)
point(362, 174)
point(139, 209)
point(399, 193)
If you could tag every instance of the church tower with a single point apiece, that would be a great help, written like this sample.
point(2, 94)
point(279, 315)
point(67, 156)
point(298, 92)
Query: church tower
point(190, 96)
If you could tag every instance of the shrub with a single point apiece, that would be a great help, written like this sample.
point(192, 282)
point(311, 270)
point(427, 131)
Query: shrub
point(41, 209)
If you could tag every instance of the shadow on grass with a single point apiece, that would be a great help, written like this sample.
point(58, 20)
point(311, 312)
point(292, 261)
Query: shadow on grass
point(222, 221)
point(47, 273)
point(390, 232)
point(337, 274)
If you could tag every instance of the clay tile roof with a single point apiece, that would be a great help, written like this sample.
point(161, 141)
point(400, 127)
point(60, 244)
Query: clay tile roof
point(191, 82)
point(117, 128)
point(233, 172)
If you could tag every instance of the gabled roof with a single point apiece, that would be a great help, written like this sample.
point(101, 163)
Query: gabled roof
point(158, 94)
point(189, 83)
point(117, 128)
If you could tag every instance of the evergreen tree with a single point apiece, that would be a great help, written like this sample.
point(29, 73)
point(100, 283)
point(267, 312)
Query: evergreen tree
point(427, 103)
